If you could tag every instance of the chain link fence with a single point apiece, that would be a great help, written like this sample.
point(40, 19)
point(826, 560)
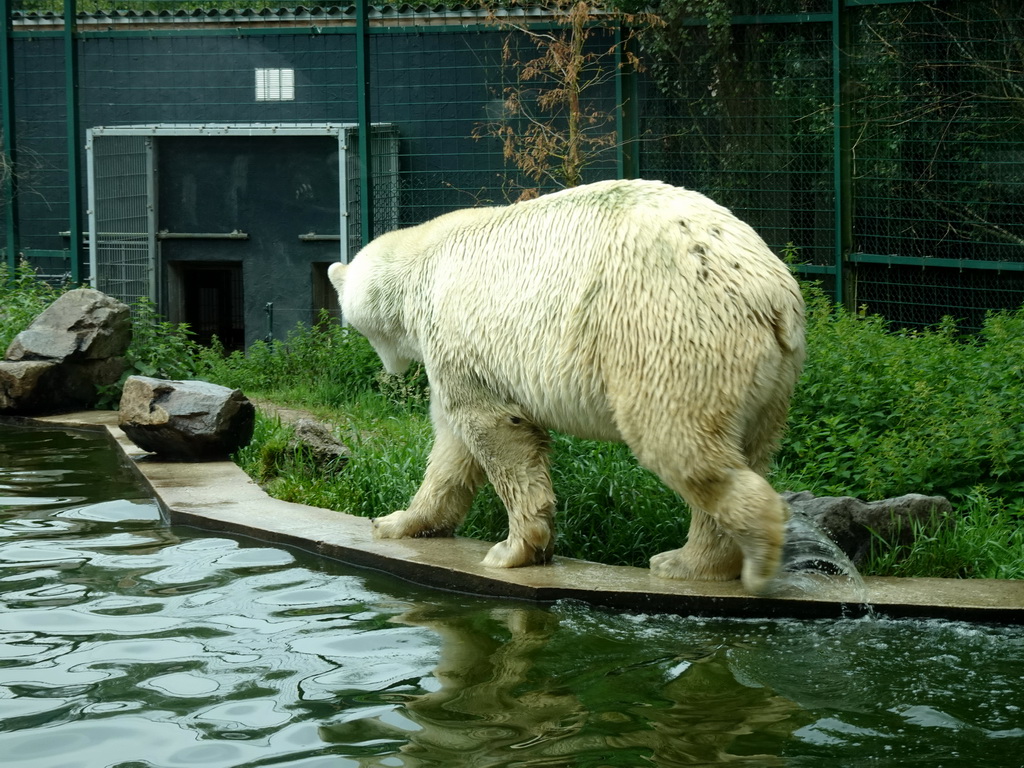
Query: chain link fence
point(878, 145)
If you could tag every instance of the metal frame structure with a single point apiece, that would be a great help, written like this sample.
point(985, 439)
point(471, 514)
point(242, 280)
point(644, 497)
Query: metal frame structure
point(843, 257)
point(123, 207)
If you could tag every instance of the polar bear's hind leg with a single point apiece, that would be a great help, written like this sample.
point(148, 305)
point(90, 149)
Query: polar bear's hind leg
point(746, 514)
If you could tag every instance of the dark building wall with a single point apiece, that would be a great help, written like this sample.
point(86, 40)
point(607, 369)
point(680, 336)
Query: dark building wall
point(434, 87)
point(273, 189)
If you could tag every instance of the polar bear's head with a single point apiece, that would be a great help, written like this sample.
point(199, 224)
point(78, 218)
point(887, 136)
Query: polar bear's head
point(367, 304)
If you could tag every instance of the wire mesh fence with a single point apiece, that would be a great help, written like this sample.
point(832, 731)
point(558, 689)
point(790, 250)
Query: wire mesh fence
point(877, 144)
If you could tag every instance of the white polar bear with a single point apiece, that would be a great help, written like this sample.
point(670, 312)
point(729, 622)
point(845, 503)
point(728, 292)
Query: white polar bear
point(622, 310)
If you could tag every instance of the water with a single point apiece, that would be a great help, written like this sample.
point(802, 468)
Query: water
point(127, 643)
point(810, 560)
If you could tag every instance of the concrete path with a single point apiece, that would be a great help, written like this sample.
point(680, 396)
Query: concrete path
point(218, 496)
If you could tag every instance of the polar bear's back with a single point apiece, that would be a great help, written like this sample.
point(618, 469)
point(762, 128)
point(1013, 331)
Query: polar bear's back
point(578, 300)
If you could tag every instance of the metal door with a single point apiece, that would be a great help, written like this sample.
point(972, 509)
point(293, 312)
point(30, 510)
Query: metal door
point(122, 215)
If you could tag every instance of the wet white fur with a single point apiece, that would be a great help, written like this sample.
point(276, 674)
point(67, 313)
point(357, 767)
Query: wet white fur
point(622, 310)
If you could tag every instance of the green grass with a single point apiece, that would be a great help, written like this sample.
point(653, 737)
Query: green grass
point(22, 297)
point(983, 539)
point(877, 413)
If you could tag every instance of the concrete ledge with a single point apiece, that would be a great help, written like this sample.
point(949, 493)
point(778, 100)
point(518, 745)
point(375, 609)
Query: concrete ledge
point(218, 496)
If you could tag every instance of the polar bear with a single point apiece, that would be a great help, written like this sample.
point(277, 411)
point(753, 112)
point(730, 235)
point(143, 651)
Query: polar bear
point(623, 310)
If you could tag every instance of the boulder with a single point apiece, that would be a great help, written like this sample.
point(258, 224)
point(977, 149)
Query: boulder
point(23, 383)
point(43, 386)
point(319, 443)
point(83, 324)
point(849, 522)
point(71, 350)
point(185, 420)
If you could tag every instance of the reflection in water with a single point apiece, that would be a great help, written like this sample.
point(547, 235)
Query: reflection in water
point(127, 643)
point(664, 705)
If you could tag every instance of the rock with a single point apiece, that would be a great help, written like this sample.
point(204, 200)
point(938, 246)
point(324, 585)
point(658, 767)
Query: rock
point(83, 324)
point(43, 386)
point(319, 442)
point(22, 383)
point(71, 350)
point(187, 420)
point(849, 522)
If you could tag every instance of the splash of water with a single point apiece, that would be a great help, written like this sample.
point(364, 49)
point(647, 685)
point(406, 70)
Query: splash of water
point(812, 563)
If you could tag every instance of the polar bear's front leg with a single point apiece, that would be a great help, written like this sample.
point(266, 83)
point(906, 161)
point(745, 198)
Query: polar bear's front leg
point(451, 481)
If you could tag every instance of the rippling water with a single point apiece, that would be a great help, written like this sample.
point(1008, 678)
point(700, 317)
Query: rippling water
point(128, 643)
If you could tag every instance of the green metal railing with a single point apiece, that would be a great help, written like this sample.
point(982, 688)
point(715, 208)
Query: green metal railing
point(880, 142)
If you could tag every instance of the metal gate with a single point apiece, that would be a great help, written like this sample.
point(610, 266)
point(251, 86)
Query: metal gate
point(122, 215)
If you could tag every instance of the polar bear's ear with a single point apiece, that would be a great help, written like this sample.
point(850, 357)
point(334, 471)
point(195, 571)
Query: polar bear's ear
point(336, 274)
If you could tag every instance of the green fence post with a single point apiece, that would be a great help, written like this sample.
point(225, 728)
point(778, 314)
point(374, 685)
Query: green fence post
point(74, 140)
point(627, 116)
point(363, 112)
point(10, 178)
point(842, 166)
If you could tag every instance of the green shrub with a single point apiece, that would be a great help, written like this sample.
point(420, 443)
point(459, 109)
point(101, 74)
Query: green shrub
point(879, 413)
point(23, 296)
point(160, 349)
point(983, 539)
point(327, 364)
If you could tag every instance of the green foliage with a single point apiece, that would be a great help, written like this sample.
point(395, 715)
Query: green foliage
point(984, 539)
point(881, 413)
point(22, 297)
point(326, 364)
point(159, 349)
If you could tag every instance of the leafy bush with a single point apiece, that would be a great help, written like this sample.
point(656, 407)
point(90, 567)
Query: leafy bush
point(326, 364)
point(881, 413)
point(160, 349)
point(22, 297)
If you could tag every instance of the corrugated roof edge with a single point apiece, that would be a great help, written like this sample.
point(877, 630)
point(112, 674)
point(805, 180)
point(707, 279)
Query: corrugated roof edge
point(383, 15)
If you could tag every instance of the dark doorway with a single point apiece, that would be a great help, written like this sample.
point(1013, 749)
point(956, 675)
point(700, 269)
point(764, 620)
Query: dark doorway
point(212, 301)
point(270, 202)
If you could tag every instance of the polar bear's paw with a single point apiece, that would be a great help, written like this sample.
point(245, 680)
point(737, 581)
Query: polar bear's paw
point(759, 571)
point(682, 565)
point(516, 554)
point(403, 525)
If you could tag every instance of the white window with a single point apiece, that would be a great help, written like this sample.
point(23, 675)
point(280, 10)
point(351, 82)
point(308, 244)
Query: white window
point(275, 85)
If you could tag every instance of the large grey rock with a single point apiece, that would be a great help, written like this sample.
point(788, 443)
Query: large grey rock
point(72, 349)
point(849, 522)
point(43, 386)
point(81, 325)
point(22, 383)
point(187, 420)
